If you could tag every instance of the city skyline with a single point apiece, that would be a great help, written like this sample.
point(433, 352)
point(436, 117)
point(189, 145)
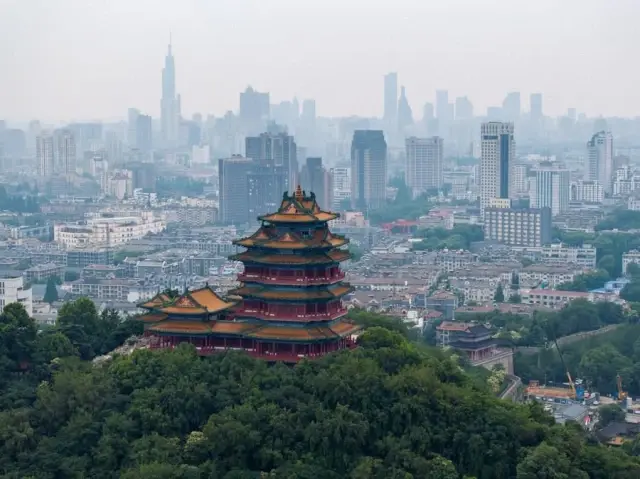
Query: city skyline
point(115, 72)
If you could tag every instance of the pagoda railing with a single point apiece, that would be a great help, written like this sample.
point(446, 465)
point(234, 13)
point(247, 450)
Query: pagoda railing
point(290, 316)
point(290, 280)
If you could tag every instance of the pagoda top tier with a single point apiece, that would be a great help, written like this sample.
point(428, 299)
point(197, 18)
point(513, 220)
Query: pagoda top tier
point(268, 236)
point(299, 208)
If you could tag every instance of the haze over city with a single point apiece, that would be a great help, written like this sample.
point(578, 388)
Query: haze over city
point(70, 60)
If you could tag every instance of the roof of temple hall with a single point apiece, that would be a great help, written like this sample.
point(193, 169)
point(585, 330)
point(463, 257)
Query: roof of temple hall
point(299, 208)
point(197, 302)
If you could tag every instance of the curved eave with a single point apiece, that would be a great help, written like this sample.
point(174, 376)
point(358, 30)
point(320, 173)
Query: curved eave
point(258, 260)
point(300, 299)
point(281, 218)
point(279, 245)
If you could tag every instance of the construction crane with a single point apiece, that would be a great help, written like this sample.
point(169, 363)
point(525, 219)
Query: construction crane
point(576, 388)
point(622, 395)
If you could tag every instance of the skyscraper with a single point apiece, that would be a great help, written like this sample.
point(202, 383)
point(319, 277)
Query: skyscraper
point(368, 169)
point(314, 178)
point(341, 187)
point(233, 182)
point(391, 98)
point(170, 103)
point(511, 106)
point(424, 164)
point(497, 156)
point(600, 160)
point(144, 133)
point(132, 122)
point(536, 106)
point(66, 152)
point(464, 108)
point(552, 189)
point(442, 106)
point(405, 115)
point(254, 110)
point(277, 150)
point(44, 155)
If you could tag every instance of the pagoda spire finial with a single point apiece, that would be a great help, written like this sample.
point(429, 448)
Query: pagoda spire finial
point(299, 195)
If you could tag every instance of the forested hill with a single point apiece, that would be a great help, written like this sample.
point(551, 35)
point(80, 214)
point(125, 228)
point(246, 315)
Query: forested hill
point(387, 410)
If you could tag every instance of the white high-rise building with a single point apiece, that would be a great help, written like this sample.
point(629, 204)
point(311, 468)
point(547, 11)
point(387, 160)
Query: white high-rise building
point(552, 189)
point(44, 155)
point(520, 184)
point(496, 162)
point(424, 164)
point(66, 163)
point(341, 181)
point(600, 160)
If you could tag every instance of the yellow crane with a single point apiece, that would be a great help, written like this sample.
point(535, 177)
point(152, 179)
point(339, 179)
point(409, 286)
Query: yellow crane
point(622, 394)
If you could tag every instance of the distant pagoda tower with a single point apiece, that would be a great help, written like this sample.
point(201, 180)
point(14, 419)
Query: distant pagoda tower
point(289, 303)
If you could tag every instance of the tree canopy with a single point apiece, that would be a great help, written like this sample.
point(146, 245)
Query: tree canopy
point(389, 409)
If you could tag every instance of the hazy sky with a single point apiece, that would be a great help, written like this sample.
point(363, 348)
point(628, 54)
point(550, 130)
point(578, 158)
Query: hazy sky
point(91, 59)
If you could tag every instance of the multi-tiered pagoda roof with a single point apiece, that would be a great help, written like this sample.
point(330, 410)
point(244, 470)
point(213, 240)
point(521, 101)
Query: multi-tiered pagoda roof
point(288, 305)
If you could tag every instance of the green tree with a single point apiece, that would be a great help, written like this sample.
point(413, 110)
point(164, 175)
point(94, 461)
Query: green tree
point(544, 462)
point(17, 339)
point(498, 297)
point(631, 291)
point(51, 293)
point(608, 264)
point(515, 298)
point(611, 413)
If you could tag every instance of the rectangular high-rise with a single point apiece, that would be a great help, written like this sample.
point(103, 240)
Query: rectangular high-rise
point(600, 160)
point(391, 98)
point(315, 178)
point(511, 106)
point(66, 152)
point(423, 170)
point(341, 187)
point(233, 181)
point(277, 150)
point(442, 106)
point(368, 169)
point(536, 106)
point(44, 155)
point(496, 162)
point(144, 133)
point(552, 190)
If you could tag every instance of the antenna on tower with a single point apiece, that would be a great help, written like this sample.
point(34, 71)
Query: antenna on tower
point(170, 42)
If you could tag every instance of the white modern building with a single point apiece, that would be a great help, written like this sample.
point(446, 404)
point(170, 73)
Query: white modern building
point(108, 231)
point(12, 290)
point(584, 255)
point(600, 159)
point(552, 190)
point(588, 192)
point(341, 182)
point(423, 170)
point(496, 163)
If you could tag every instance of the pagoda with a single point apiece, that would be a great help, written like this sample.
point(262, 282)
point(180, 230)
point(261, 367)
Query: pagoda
point(289, 303)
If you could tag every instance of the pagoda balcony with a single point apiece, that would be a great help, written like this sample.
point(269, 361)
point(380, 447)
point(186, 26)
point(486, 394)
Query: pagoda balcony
point(273, 352)
point(290, 315)
point(283, 280)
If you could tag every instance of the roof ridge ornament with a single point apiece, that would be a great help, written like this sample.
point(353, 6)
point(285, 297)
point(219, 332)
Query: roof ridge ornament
point(299, 195)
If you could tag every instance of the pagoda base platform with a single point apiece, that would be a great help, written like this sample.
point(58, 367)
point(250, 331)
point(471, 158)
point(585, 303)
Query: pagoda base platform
point(268, 351)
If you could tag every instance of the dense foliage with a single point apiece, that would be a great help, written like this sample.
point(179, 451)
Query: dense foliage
point(597, 360)
point(387, 410)
point(459, 237)
point(578, 316)
point(620, 220)
point(18, 203)
point(586, 281)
